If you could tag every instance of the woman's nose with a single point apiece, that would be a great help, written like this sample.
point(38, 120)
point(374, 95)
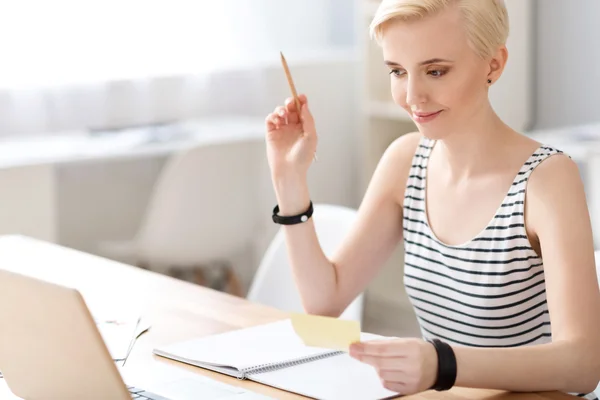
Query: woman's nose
point(416, 92)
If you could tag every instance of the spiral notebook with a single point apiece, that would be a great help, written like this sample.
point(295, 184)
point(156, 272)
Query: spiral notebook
point(272, 354)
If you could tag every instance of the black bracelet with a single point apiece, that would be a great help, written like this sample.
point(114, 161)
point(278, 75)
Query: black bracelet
point(446, 376)
point(294, 219)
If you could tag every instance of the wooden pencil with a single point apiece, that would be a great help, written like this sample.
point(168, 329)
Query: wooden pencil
point(288, 75)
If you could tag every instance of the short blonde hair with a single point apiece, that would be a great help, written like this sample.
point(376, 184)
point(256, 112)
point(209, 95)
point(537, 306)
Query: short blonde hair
point(486, 20)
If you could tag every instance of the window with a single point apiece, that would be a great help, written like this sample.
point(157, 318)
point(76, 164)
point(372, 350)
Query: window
point(66, 41)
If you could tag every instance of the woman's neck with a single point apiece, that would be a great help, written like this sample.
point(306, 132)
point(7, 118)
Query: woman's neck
point(477, 147)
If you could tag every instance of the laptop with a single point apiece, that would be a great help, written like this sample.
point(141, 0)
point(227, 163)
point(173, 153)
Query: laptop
point(50, 348)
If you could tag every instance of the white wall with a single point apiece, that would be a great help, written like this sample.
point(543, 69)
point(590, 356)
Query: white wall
point(568, 55)
point(277, 24)
point(342, 19)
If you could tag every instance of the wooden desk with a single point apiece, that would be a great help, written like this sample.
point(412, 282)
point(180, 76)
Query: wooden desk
point(176, 310)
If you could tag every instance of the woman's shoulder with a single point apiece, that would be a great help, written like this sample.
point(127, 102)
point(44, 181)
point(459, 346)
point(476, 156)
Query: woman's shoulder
point(550, 163)
point(556, 169)
point(395, 164)
point(555, 184)
point(544, 159)
point(406, 145)
point(400, 153)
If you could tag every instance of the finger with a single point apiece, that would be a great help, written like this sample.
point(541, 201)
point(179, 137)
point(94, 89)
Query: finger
point(269, 124)
point(397, 387)
point(393, 376)
point(306, 119)
point(285, 115)
point(293, 117)
point(281, 112)
point(387, 348)
point(385, 363)
point(272, 118)
point(278, 116)
point(290, 104)
point(276, 120)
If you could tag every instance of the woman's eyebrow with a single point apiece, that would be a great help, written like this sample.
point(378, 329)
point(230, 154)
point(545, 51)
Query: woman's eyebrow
point(434, 61)
point(426, 62)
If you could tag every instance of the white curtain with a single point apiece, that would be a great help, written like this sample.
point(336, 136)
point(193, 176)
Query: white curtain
point(70, 65)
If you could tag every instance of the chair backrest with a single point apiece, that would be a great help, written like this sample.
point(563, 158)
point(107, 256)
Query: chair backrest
point(203, 204)
point(274, 283)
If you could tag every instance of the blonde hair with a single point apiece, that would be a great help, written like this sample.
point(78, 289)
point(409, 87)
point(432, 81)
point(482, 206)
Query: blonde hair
point(486, 20)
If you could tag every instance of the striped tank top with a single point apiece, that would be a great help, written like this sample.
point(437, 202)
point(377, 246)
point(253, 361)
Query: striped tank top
point(488, 292)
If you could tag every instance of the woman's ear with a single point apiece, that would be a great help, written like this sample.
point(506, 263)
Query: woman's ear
point(497, 63)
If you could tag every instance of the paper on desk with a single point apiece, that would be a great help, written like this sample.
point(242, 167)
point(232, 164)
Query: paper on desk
point(119, 335)
point(326, 332)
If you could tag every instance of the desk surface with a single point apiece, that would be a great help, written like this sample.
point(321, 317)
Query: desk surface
point(176, 310)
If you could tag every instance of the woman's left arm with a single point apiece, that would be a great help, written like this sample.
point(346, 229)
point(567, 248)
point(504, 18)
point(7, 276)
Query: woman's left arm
point(557, 215)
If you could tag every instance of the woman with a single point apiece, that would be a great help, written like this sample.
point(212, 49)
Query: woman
point(499, 258)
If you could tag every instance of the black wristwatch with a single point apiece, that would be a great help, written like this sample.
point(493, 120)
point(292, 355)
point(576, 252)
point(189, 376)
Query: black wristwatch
point(447, 370)
point(293, 219)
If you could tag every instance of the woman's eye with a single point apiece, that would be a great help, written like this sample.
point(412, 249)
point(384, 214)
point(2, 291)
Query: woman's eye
point(396, 72)
point(437, 73)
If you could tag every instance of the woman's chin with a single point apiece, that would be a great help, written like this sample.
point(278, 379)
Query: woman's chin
point(434, 129)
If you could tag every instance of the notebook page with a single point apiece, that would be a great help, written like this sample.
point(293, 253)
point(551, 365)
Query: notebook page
point(245, 348)
point(333, 378)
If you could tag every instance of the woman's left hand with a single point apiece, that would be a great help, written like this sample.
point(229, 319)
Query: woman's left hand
point(405, 366)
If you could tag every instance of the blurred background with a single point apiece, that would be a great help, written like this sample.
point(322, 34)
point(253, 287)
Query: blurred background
point(134, 129)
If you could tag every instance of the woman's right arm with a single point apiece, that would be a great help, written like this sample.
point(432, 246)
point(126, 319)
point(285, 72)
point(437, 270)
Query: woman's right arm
point(328, 286)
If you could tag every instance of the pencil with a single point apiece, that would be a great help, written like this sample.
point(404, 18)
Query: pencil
point(288, 75)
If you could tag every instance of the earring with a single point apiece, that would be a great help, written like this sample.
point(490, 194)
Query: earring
point(489, 81)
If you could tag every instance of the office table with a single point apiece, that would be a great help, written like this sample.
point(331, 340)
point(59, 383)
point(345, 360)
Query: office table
point(175, 309)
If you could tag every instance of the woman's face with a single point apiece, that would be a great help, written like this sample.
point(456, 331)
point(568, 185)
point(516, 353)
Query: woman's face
point(435, 74)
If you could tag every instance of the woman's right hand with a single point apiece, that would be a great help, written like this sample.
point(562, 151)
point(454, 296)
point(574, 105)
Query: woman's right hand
point(291, 138)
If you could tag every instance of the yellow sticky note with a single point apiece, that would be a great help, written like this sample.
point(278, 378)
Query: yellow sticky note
point(326, 332)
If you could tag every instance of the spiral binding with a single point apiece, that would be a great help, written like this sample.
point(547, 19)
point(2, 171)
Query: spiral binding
point(263, 368)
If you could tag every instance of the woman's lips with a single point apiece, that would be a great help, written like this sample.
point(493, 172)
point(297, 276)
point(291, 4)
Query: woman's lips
point(422, 117)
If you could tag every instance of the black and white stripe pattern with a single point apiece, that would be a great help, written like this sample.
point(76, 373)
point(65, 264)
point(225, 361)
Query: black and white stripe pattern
point(489, 292)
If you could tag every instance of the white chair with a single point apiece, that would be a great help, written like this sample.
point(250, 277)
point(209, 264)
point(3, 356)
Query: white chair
point(274, 284)
point(202, 211)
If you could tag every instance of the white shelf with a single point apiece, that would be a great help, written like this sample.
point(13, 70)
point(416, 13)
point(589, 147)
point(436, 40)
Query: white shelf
point(387, 110)
point(71, 147)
